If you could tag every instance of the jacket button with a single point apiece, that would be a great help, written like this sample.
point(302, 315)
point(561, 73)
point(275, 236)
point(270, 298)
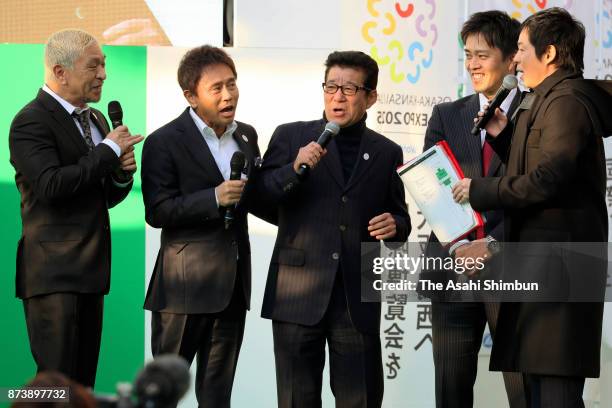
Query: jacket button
point(106, 227)
point(342, 227)
point(335, 256)
point(344, 199)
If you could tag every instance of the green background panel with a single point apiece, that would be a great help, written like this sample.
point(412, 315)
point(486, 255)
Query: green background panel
point(122, 353)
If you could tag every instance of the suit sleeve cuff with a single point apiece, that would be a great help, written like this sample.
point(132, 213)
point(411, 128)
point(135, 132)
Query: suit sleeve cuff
point(113, 146)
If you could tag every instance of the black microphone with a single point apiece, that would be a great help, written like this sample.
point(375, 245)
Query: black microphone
point(236, 165)
point(331, 130)
point(162, 382)
point(510, 82)
point(115, 113)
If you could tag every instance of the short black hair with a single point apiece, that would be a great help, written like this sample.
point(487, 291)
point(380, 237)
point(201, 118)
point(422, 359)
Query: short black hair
point(195, 60)
point(556, 26)
point(497, 28)
point(357, 60)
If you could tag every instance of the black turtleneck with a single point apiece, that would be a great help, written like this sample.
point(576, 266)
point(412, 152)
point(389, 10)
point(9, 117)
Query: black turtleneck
point(348, 141)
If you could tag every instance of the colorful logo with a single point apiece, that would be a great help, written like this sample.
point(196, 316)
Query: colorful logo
point(605, 22)
point(519, 5)
point(401, 37)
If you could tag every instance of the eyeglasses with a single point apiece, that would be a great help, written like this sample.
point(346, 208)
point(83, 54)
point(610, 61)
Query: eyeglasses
point(347, 90)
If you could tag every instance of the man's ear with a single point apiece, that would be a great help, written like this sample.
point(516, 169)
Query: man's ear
point(191, 98)
point(550, 54)
point(511, 64)
point(59, 72)
point(372, 97)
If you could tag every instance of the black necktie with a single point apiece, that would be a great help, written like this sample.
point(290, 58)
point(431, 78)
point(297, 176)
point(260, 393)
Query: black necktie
point(82, 116)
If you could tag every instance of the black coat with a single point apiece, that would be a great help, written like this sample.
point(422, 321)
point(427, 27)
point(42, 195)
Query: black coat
point(66, 191)
point(323, 220)
point(553, 191)
point(198, 258)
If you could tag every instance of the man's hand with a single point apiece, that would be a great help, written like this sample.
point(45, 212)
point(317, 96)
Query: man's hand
point(135, 31)
point(461, 191)
point(382, 226)
point(128, 161)
point(471, 252)
point(496, 124)
point(229, 192)
point(310, 154)
point(121, 135)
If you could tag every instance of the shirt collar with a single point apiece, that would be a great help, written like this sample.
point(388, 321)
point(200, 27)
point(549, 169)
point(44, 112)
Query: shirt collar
point(70, 108)
point(505, 106)
point(207, 130)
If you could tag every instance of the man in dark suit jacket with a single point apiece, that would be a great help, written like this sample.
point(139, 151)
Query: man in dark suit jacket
point(553, 191)
point(68, 171)
point(457, 327)
point(314, 288)
point(201, 285)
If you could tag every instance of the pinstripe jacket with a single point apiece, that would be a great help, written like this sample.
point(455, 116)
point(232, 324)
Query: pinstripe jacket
point(323, 220)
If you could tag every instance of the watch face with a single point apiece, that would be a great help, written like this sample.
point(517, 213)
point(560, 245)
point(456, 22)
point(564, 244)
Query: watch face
point(494, 247)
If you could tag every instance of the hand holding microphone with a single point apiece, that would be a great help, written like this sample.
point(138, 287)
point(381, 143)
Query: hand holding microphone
point(122, 137)
point(484, 119)
point(310, 155)
point(230, 191)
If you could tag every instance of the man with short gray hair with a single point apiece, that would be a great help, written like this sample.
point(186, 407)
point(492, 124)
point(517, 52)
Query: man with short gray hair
point(70, 169)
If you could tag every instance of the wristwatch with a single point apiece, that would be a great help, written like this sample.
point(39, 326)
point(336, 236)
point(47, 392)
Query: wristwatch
point(493, 245)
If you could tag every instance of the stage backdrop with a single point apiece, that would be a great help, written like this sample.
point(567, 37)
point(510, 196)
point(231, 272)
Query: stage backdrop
point(279, 49)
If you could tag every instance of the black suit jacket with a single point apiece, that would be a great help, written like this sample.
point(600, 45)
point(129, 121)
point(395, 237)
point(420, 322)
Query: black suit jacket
point(66, 191)
point(553, 191)
point(452, 122)
point(198, 260)
point(323, 220)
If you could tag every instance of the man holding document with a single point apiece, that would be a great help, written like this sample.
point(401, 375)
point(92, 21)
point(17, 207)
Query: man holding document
point(553, 191)
point(457, 327)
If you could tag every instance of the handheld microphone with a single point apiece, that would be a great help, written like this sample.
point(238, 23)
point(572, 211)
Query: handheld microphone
point(510, 82)
point(115, 113)
point(331, 130)
point(236, 165)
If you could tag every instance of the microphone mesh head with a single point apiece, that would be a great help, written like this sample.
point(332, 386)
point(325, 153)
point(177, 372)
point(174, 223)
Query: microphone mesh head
point(115, 113)
point(332, 128)
point(510, 82)
point(237, 161)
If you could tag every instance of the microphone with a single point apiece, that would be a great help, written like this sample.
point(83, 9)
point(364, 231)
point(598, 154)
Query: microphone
point(331, 130)
point(236, 165)
point(510, 82)
point(115, 113)
point(162, 382)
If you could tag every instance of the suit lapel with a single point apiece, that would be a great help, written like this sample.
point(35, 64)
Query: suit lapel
point(495, 161)
point(472, 143)
point(198, 148)
point(62, 117)
point(366, 156)
point(331, 161)
point(242, 139)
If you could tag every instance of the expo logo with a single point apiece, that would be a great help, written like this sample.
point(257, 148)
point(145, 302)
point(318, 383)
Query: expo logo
point(390, 34)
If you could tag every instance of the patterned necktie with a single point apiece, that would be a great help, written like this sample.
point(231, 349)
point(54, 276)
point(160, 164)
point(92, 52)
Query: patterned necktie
point(82, 116)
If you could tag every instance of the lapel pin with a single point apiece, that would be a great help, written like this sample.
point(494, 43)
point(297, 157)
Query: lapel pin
point(246, 139)
point(366, 156)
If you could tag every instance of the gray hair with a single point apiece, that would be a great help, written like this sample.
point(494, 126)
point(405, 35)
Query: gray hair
point(66, 46)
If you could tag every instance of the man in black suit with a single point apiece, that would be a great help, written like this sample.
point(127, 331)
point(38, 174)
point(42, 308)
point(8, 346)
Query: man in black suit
point(553, 191)
point(201, 285)
point(314, 288)
point(457, 327)
point(70, 169)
